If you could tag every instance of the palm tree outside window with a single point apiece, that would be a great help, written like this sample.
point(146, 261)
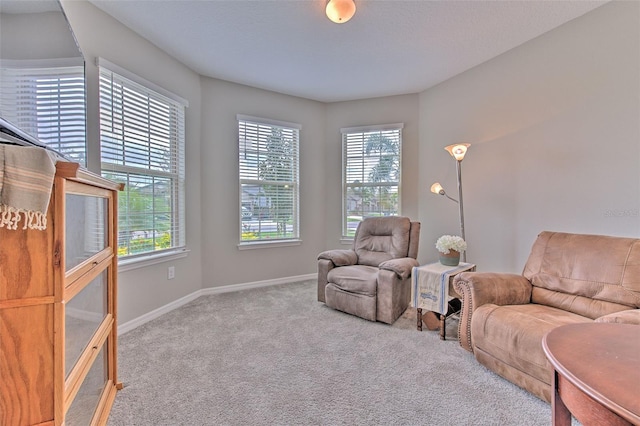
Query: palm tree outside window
point(371, 173)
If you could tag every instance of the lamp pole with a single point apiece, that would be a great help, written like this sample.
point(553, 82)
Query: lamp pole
point(457, 151)
point(460, 207)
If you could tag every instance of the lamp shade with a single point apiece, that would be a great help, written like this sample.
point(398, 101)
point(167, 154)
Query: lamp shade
point(340, 11)
point(436, 188)
point(457, 150)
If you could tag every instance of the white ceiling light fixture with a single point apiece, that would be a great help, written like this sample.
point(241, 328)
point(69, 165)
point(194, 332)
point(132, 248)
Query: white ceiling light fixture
point(340, 11)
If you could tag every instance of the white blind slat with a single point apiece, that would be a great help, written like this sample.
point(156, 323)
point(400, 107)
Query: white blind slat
point(371, 173)
point(49, 103)
point(142, 145)
point(269, 179)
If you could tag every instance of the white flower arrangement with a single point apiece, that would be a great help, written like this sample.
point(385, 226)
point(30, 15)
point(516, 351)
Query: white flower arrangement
point(450, 242)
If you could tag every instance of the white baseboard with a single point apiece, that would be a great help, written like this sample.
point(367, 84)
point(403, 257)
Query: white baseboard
point(149, 316)
point(256, 284)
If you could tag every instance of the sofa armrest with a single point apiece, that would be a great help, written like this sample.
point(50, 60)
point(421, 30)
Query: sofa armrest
point(630, 316)
point(340, 257)
point(327, 260)
point(479, 288)
point(324, 266)
point(393, 296)
point(401, 266)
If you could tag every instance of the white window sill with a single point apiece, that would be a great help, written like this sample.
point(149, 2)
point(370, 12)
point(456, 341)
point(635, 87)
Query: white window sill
point(346, 241)
point(268, 244)
point(151, 259)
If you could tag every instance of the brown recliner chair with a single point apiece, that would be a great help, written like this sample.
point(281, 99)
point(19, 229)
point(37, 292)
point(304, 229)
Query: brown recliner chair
point(373, 279)
point(568, 279)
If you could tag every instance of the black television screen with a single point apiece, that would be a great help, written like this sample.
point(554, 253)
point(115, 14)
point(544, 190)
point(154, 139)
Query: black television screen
point(42, 84)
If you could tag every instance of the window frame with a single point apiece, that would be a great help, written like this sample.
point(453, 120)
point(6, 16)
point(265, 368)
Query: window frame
point(114, 161)
point(264, 123)
point(348, 134)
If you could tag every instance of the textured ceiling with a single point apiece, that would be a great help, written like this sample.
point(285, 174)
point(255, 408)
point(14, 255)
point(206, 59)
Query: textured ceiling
point(389, 47)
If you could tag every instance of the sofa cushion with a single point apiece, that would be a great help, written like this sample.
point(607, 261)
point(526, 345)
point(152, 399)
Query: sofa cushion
point(591, 275)
point(379, 239)
point(631, 316)
point(359, 279)
point(582, 305)
point(513, 334)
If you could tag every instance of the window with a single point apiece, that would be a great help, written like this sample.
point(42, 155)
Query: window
point(268, 169)
point(371, 173)
point(142, 145)
point(48, 103)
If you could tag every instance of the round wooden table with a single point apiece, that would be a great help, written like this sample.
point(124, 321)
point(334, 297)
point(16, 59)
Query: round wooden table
point(597, 373)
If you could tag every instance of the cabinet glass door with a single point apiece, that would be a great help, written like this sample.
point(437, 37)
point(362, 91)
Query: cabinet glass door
point(85, 228)
point(83, 315)
point(84, 405)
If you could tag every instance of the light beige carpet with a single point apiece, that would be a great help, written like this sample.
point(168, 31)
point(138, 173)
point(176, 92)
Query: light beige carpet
point(276, 356)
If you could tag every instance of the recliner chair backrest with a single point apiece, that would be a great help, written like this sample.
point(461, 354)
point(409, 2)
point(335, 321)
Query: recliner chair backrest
point(591, 275)
point(379, 239)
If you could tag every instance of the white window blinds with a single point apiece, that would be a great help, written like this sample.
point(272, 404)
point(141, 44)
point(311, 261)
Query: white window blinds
point(48, 103)
point(142, 145)
point(371, 173)
point(269, 179)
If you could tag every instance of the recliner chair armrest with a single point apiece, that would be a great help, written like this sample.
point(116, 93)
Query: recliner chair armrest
point(401, 266)
point(479, 288)
point(630, 316)
point(491, 287)
point(340, 257)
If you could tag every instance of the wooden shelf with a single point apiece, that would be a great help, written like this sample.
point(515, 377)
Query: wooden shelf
point(58, 289)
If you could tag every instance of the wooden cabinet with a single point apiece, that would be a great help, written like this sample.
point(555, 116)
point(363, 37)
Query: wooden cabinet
point(58, 292)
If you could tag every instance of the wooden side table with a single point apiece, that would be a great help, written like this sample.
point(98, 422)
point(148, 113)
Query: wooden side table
point(596, 376)
point(439, 308)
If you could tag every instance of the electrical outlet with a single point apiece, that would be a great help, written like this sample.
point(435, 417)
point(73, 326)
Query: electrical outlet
point(171, 272)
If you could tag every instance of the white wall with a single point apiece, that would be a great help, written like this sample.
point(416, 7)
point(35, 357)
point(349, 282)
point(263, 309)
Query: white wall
point(555, 131)
point(223, 263)
point(554, 125)
point(142, 290)
point(320, 175)
point(36, 36)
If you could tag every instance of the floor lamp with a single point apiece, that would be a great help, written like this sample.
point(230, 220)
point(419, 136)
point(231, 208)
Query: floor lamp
point(458, 152)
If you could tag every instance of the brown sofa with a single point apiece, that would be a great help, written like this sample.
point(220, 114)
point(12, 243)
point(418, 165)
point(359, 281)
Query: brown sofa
point(568, 278)
point(373, 279)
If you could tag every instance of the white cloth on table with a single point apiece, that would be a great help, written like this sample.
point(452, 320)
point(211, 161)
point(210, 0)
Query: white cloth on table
point(430, 285)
